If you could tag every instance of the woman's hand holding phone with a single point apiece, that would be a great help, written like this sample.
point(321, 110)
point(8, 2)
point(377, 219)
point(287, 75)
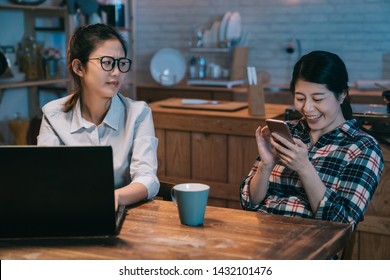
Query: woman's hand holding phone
point(281, 128)
point(293, 154)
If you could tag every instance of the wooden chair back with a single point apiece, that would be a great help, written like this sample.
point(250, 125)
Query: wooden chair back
point(164, 192)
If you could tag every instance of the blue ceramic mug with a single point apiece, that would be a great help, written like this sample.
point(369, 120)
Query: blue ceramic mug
point(191, 201)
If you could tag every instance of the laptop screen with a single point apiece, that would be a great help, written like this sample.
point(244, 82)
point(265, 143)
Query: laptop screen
point(56, 191)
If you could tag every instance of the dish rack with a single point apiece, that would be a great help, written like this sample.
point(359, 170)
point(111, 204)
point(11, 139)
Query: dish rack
point(231, 61)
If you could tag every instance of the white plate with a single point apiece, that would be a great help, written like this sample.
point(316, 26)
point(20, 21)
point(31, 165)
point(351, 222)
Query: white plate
point(233, 28)
point(222, 27)
point(207, 38)
point(214, 34)
point(168, 66)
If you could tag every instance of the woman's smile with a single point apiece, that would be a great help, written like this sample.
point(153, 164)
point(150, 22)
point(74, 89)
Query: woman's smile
point(114, 84)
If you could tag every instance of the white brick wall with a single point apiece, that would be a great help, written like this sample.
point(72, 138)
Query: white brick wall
point(357, 30)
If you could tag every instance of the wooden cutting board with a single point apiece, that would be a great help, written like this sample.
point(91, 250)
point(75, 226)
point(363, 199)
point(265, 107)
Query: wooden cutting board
point(227, 106)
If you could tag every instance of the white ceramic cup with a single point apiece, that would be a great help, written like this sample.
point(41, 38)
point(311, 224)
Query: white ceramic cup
point(214, 71)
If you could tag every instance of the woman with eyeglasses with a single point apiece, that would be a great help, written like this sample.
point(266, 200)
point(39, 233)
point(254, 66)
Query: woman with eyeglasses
point(97, 114)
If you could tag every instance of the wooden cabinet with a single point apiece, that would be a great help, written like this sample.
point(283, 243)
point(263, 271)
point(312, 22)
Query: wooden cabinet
point(372, 240)
point(216, 148)
point(152, 92)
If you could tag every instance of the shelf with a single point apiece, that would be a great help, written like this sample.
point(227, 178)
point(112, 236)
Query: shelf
point(124, 29)
point(65, 24)
point(209, 50)
point(233, 59)
point(51, 9)
point(39, 11)
point(33, 83)
point(49, 29)
point(30, 15)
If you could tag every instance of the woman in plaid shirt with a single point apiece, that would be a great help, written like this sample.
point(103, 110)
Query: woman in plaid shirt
point(333, 169)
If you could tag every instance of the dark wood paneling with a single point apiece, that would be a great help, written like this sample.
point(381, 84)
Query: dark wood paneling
point(209, 157)
point(242, 153)
point(178, 154)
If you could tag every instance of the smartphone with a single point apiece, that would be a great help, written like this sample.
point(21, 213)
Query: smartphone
point(281, 128)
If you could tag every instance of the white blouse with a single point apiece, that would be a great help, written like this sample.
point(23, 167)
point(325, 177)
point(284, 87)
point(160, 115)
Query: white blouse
point(127, 127)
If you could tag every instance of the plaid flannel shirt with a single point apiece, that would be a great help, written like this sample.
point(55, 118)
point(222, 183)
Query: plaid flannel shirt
point(348, 161)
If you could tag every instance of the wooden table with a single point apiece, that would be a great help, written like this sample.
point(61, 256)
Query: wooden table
point(153, 231)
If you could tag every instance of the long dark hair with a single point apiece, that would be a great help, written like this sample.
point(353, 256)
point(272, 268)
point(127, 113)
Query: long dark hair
point(83, 42)
point(324, 68)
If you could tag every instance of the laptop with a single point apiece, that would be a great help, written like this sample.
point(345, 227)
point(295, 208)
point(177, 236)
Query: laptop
point(62, 191)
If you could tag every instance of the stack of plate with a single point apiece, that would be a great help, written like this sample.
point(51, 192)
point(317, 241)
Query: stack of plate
point(223, 31)
point(232, 29)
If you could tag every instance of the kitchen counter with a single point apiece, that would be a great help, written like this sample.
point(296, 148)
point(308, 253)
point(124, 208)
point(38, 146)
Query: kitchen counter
point(281, 94)
point(152, 92)
point(274, 94)
point(212, 147)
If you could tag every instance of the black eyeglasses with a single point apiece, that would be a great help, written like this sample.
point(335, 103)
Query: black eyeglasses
point(108, 63)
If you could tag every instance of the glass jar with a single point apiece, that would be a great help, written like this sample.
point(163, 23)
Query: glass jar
point(30, 59)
